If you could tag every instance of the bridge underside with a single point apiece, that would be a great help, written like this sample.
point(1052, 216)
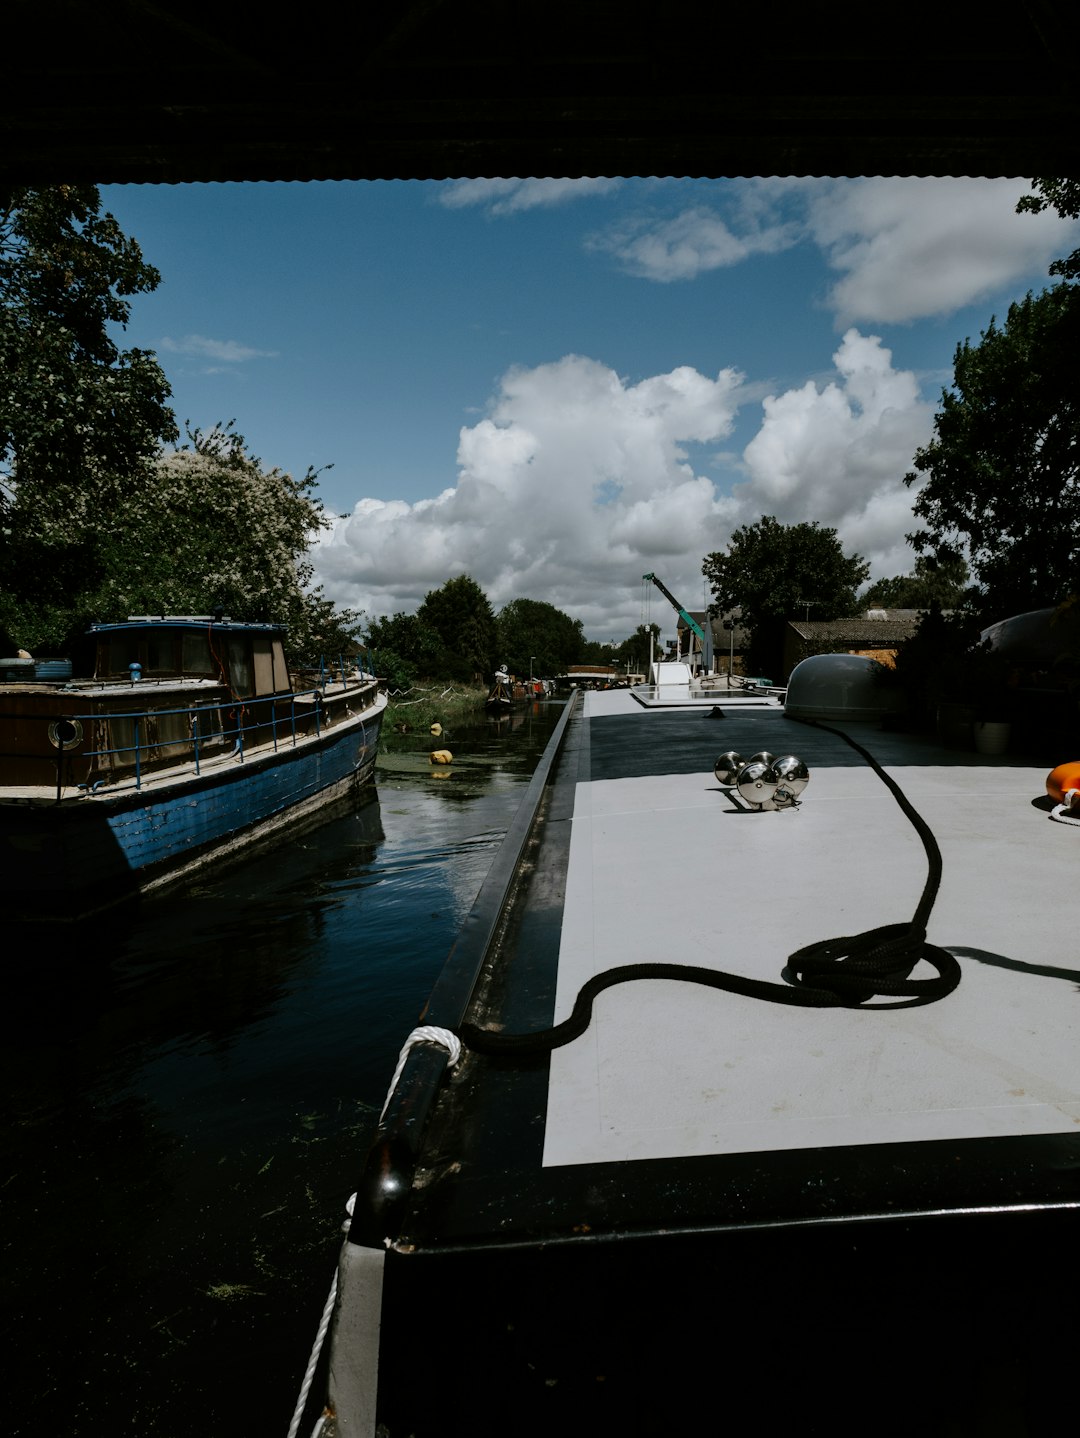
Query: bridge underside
point(129, 90)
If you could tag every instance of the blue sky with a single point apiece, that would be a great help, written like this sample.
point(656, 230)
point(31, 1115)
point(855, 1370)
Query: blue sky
point(556, 386)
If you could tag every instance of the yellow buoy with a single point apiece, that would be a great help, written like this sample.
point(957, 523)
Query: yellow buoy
point(441, 756)
point(436, 730)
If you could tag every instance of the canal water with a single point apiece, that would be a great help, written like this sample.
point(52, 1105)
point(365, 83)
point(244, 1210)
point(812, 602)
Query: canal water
point(191, 1088)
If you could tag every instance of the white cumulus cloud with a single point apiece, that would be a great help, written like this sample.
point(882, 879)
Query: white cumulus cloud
point(578, 481)
point(838, 454)
point(907, 248)
point(575, 484)
point(689, 244)
point(904, 248)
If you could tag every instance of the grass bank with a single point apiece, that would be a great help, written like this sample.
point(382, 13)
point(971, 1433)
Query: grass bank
point(416, 709)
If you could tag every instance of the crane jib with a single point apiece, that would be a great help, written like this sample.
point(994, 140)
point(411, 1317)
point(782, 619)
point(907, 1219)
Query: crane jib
point(666, 592)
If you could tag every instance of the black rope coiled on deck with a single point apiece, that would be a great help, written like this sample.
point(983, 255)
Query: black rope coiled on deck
point(835, 973)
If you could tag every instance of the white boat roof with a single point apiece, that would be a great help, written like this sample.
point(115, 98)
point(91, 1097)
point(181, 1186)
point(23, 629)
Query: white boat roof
point(662, 866)
point(613, 1214)
point(642, 856)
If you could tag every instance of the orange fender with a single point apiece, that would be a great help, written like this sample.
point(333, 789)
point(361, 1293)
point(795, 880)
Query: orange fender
point(1060, 780)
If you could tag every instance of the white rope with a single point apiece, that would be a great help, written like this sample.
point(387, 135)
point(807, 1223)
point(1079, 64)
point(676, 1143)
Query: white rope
point(418, 689)
point(1066, 814)
point(316, 1349)
point(425, 1034)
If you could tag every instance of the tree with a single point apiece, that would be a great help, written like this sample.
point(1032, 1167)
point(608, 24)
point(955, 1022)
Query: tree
point(405, 648)
point(210, 527)
point(1062, 195)
point(633, 653)
point(942, 582)
point(775, 572)
point(462, 617)
point(1001, 473)
point(96, 521)
point(595, 651)
point(535, 637)
point(215, 529)
point(80, 419)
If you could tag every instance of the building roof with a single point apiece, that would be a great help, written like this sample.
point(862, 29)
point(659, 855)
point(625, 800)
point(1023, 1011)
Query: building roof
point(896, 614)
point(159, 90)
point(869, 633)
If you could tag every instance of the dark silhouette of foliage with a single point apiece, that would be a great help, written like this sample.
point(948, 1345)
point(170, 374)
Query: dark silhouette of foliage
point(942, 582)
point(404, 649)
point(461, 616)
point(1062, 195)
point(535, 637)
point(97, 521)
point(633, 653)
point(1001, 473)
point(80, 418)
point(776, 572)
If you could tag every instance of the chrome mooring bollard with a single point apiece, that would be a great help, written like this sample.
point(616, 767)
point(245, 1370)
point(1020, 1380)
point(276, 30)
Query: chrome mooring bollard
point(762, 781)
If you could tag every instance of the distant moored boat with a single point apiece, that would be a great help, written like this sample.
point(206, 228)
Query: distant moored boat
point(191, 741)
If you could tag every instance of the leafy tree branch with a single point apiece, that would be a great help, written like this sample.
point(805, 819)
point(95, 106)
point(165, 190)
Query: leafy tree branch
point(1001, 477)
point(80, 418)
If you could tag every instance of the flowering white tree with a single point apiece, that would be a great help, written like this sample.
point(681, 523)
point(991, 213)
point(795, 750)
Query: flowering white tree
point(216, 529)
point(209, 528)
point(96, 520)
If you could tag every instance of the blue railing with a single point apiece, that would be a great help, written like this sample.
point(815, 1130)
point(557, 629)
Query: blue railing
point(339, 674)
point(278, 719)
point(284, 718)
point(208, 724)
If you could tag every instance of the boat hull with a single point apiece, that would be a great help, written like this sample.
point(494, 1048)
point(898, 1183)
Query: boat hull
point(62, 861)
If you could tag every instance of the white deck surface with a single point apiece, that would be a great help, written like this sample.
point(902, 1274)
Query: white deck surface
point(662, 869)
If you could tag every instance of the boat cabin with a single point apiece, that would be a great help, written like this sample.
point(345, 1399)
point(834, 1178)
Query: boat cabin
point(164, 690)
point(249, 658)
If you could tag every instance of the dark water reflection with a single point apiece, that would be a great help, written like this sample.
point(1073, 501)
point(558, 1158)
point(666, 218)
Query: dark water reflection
point(191, 1086)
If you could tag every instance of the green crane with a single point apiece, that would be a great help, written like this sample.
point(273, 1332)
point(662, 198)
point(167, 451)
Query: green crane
point(683, 614)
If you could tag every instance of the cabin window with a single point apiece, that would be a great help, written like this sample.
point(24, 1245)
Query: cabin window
point(160, 653)
point(155, 651)
point(240, 675)
point(206, 720)
point(197, 656)
point(118, 651)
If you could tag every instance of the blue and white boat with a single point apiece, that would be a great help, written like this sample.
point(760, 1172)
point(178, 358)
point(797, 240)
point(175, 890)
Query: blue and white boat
point(192, 741)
